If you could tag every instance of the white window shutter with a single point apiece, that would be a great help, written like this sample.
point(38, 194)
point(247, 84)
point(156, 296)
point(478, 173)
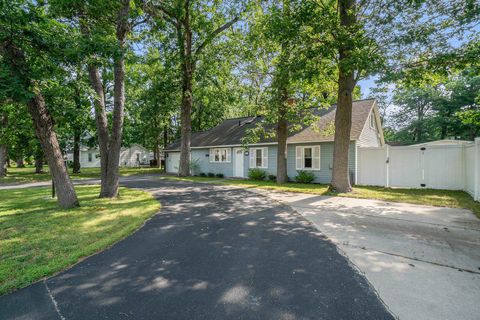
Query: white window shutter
point(252, 157)
point(229, 154)
point(299, 158)
point(316, 157)
point(265, 157)
point(211, 155)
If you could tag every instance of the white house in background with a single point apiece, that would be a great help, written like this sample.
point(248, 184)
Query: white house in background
point(134, 156)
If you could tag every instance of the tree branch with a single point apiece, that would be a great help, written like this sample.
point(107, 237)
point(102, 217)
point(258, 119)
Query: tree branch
point(212, 35)
point(153, 9)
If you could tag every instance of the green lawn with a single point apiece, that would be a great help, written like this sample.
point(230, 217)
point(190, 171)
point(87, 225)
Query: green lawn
point(433, 197)
point(24, 175)
point(38, 239)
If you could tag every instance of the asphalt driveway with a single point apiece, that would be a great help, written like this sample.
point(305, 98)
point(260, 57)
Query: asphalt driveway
point(213, 252)
point(424, 261)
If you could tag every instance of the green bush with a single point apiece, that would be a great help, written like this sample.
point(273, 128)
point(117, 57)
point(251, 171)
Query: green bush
point(202, 174)
point(272, 177)
point(211, 174)
point(256, 174)
point(219, 175)
point(304, 176)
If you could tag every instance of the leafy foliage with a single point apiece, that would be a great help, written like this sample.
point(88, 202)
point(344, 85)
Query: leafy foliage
point(304, 176)
point(256, 174)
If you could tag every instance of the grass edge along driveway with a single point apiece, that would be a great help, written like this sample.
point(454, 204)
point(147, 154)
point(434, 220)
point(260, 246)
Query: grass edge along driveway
point(37, 239)
point(429, 197)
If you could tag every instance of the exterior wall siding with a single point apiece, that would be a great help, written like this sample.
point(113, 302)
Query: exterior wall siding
point(324, 175)
point(369, 136)
point(200, 157)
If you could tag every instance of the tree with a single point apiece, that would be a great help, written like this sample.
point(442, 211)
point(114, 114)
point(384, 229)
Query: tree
point(98, 30)
point(154, 92)
point(3, 143)
point(290, 85)
point(446, 107)
point(196, 26)
point(389, 37)
point(28, 52)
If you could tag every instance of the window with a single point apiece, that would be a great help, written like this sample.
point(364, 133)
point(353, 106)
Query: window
point(259, 157)
point(372, 121)
point(220, 155)
point(307, 158)
point(90, 157)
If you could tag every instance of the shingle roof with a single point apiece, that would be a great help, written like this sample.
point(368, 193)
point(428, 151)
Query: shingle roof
point(231, 131)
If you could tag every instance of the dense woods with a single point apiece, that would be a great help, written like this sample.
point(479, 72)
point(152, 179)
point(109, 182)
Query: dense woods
point(111, 73)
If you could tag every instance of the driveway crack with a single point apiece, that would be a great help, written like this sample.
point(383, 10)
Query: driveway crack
point(409, 258)
point(55, 304)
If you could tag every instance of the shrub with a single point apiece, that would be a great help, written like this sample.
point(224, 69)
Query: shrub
point(272, 177)
point(202, 174)
point(219, 175)
point(256, 174)
point(304, 176)
point(211, 174)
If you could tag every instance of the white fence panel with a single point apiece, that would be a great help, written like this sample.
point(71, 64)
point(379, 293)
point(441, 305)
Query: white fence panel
point(444, 167)
point(451, 167)
point(372, 166)
point(405, 167)
point(469, 169)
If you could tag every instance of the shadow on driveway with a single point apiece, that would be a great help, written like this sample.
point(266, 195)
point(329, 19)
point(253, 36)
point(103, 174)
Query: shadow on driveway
point(213, 252)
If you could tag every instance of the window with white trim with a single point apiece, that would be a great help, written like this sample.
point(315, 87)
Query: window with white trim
point(220, 155)
point(307, 157)
point(259, 157)
point(372, 121)
point(90, 157)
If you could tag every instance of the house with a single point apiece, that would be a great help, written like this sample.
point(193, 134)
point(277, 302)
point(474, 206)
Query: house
point(134, 156)
point(220, 149)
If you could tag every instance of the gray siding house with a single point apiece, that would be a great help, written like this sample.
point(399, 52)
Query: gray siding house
point(220, 149)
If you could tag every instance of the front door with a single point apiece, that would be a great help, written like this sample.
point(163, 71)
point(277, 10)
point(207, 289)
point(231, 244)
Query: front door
point(238, 162)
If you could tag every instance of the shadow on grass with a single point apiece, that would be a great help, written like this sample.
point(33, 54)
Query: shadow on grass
point(37, 238)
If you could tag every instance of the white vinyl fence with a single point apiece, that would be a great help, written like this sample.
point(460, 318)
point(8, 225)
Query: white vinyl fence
point(450, 167)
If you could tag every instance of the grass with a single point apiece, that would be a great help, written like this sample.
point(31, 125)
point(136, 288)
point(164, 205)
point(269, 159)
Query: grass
point(432, 197)
point(25, 175)
point(37, 239)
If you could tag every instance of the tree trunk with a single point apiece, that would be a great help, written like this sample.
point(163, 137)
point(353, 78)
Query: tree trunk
point(76, 151)
point(282, 134)
point(3, 146)
point(110, 145)
point(343, 115)
point(39, 160)
point(156, 152)
point(3, 160)
point(165, 145)
point(115, 143)
point(100, 121)
point(165, 138)
point(185, 42)
point(44, 129)
point(19, 160)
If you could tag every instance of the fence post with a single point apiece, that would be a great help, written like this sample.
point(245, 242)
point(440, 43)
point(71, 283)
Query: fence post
point(387, 166)
point(476, 163)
